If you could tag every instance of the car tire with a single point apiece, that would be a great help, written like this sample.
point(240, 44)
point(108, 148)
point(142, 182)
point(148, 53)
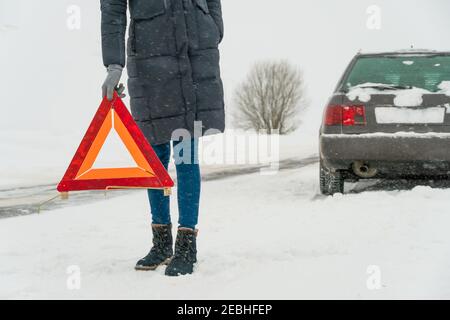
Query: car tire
point(331, 182)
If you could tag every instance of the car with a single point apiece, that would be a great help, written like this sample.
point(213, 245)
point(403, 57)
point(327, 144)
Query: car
point(388, 118)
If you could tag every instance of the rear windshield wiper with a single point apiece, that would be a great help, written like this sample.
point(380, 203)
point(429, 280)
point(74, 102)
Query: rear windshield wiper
point(386, 87)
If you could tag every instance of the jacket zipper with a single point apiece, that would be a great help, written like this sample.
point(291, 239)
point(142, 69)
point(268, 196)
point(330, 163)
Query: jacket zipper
point(133, 36)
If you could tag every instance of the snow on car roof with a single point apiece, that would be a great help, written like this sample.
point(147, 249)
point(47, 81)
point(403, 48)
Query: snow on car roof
point(404, 52)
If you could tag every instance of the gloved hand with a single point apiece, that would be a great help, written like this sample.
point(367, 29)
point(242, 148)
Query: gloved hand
point(112, 82)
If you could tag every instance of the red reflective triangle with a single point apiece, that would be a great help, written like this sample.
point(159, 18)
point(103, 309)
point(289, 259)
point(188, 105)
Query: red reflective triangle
point(149, 172)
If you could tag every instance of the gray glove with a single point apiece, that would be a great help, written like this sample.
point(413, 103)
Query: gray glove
point(112, 82)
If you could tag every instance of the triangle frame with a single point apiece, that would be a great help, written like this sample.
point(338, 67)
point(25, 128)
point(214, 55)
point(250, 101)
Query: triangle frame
point(149, 174)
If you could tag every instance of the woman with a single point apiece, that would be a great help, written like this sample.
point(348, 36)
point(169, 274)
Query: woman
point(174, 83)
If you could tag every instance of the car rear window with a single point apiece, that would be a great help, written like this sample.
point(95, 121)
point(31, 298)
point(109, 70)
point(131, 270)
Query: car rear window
point(425, 72)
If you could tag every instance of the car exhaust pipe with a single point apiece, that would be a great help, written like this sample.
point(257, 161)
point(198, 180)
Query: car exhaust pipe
point(364, 170)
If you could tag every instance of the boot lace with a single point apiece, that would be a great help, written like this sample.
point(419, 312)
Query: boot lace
point(184, 250)
point(159, 242)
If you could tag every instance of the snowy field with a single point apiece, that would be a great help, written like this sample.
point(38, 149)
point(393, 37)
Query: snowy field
point(261, 237)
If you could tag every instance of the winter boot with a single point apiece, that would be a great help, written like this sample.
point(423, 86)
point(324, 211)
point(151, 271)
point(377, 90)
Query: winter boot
point(185, 253)
point(161, 252)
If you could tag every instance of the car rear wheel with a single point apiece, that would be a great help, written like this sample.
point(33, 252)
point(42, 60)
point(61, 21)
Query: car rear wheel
point(331, 182)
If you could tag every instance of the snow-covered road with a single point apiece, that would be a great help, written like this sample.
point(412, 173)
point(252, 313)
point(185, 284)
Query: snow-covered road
point(34, 199)
point(260, 237)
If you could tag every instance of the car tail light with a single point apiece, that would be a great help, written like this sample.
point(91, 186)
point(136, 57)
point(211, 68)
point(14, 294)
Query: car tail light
point(333, 115)
point(345, 115)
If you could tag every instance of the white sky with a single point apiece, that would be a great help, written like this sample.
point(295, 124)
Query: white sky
point(51, 76)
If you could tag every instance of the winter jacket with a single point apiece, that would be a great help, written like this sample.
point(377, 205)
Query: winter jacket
point(172, 62)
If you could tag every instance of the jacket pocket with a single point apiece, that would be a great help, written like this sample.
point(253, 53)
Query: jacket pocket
point(152, 32)
point(203, 5)
point(208, 33)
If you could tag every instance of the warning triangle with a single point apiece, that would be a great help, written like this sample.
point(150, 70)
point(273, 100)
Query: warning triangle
point(149, 172)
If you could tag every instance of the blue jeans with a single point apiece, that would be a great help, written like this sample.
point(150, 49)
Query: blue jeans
point(188, 184)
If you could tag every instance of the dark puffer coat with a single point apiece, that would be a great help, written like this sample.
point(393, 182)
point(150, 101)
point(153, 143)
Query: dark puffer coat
point(173, 62)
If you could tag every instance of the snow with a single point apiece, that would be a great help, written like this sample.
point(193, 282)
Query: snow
point(386, 115)
point(403, 97)
point(114, 154)
point(445, 87)
point(447, 107)
point(410, 97)
point(363, 92)
point(395, 135)
point(414, 52)
point(287, 242)
point(34, 157)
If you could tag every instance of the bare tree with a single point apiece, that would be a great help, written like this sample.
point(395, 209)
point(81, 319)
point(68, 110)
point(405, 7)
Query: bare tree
point(271, 98)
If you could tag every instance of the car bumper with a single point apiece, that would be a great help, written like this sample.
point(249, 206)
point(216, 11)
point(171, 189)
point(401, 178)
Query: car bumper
point(419, 153)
